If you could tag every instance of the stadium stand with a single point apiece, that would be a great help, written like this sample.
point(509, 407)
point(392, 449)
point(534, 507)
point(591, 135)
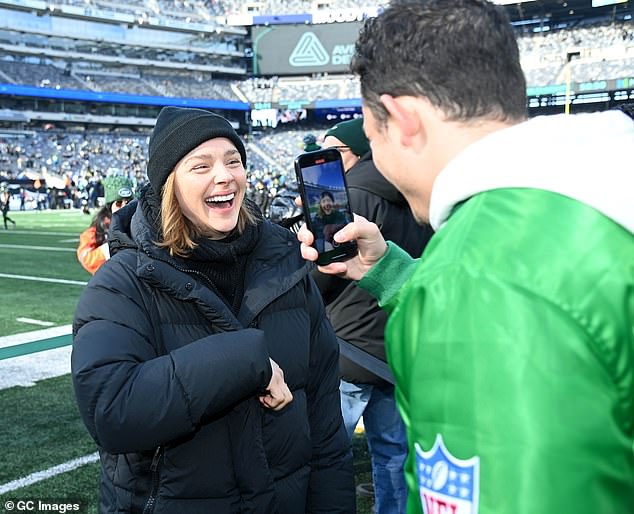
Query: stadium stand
point(605, 52)
point(191, 53)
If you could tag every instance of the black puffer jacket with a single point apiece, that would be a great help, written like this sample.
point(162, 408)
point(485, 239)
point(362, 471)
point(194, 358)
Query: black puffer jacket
point(167, 379)
point(355, 314)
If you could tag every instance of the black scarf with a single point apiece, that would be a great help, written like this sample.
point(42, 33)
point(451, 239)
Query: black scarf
point(223, 263)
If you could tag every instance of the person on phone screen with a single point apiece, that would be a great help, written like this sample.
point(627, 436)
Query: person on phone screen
point(327, 221)
point(511, 337)
point(203, 363)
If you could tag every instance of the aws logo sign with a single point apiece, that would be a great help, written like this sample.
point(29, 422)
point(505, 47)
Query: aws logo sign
point(309, 51)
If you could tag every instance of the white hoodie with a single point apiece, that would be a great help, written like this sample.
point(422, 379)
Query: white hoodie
point(587, 157)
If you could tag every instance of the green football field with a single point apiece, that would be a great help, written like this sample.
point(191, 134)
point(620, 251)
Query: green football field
point(46, 453)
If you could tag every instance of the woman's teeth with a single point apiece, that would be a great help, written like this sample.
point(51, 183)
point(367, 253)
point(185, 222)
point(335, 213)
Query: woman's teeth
point(220, 198)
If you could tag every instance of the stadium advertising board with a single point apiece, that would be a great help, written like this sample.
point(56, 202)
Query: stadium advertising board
point(303, 49)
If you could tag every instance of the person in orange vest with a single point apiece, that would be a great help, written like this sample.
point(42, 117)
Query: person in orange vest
point(93, 250)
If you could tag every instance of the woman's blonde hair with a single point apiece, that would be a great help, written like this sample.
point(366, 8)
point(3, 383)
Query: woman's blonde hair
point(178, 232)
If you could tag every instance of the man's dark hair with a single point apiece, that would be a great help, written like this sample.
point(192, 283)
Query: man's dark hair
point(459, 54)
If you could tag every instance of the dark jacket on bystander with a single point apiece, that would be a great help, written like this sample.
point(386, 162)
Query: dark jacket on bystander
point(355, 315)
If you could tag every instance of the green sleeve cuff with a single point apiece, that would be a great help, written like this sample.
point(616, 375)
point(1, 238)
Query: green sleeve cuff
point(386, 277)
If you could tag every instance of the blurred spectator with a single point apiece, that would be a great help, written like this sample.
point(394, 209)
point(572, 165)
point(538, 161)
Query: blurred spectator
point(4, 201)
point(310, 143)
point(93, 249)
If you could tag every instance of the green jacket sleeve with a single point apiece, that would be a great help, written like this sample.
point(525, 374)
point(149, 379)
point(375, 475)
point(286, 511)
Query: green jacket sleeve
point(387, 277)
point(513, 379)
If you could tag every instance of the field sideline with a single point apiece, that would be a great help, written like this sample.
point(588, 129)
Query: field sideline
point(46, 451)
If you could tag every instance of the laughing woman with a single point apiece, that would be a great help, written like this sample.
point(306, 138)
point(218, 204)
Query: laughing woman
point(203, 364)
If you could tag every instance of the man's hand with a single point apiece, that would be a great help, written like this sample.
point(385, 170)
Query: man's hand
point(370, 243)
point(277, 395)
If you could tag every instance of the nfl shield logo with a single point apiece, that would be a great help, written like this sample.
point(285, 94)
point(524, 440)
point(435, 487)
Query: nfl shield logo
point(447, 485)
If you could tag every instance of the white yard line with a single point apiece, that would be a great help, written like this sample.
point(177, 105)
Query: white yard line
point(43, 279)
point(35, 335)
point(45, 248)
point(32, 321)
point(26, 370)
point(33, 233)
point(38, 476)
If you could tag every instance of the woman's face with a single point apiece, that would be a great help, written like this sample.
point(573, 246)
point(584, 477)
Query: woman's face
point(210, 184)
point(326, 204)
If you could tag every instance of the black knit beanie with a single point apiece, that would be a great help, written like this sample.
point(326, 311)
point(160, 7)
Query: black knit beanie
point(177, 132)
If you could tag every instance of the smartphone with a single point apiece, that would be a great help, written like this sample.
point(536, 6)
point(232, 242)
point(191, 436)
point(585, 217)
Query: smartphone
point(326, 203)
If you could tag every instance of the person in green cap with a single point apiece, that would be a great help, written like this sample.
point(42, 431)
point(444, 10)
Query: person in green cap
point(348, 137)
point(310, 143)
point(93, 250)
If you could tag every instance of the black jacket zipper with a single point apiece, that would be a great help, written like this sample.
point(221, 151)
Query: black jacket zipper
point(154, 468)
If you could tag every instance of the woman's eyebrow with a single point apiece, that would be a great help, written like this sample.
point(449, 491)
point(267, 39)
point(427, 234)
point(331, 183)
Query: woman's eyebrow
point(227, 153)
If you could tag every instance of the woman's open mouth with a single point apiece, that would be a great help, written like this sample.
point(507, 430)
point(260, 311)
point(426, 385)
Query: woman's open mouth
point(220, 201)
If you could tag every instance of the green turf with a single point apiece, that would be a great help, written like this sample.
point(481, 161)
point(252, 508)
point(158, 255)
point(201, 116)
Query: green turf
point(41, 263)
point(35, 300)
point(65, 221)
point(44, 301)
point(40, 428)
point(79, 485)
point(26, 237)
point(362, 471)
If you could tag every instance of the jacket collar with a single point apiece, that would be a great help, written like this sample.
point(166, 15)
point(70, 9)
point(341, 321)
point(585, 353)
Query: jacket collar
point(273, 268)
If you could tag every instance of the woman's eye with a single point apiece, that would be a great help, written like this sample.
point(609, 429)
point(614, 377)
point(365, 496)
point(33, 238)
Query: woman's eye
point(234, 162)
point(200, 167)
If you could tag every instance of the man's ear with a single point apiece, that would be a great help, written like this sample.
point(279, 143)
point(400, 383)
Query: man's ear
point(405, 115)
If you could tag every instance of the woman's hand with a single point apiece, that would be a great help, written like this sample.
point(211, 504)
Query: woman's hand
point(277, 395)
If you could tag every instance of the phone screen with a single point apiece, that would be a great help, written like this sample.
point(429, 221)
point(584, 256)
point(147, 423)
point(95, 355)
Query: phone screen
point(326, 204)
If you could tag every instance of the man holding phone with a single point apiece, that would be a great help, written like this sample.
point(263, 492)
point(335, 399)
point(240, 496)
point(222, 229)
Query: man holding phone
point(511, 338)
point(358, 319)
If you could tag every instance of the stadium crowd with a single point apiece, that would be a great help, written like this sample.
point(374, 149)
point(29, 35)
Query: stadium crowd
point(602, 52)
point(73, 165)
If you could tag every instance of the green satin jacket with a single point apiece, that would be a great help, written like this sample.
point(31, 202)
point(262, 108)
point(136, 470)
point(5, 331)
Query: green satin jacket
point(512, 344)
